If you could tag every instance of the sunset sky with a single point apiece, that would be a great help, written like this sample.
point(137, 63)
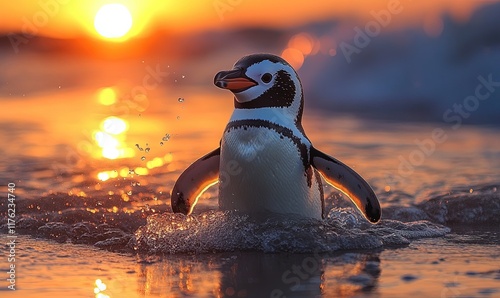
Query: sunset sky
point(65, 18)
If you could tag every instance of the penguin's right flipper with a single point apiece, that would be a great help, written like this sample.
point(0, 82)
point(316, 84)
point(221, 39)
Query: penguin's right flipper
point(193, 181)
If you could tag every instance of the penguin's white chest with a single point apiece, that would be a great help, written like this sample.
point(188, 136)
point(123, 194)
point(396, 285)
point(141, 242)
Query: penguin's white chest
point(261, 169)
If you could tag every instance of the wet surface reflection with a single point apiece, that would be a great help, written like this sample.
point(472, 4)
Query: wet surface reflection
point(262, 275)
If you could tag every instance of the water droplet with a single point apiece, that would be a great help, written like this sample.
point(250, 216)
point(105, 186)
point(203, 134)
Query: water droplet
point(59, 87)
point(143, 158)
point(166, 137)
point(161, 143)
point(155, 198)
point(129, 192)
point(183, 76)
point(178, 117)
point(147, 149)
point(180, 99)
point(131, 172)
point(132, 183)
point(138, 147)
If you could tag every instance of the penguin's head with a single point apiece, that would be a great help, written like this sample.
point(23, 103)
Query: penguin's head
point(262, 80)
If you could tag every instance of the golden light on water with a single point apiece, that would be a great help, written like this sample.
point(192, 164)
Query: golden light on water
point(114, 125)
point(99, 288)
point(125, 171)
point(168, 157)
point(105, 140)
point(154, 163)
point(113, 21)
point(141, 171)
point(103, 176)
point(106, 175)
point(107, 96)
point(108, 143)
point(111, 138)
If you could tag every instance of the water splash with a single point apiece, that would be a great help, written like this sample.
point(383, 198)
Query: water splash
point(166, 137)
point(215, 231)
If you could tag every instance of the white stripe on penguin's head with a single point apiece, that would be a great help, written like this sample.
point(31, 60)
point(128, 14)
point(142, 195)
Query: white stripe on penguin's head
point(263, 81)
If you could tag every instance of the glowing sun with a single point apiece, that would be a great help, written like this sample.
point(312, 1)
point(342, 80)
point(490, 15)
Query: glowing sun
point(113, 21)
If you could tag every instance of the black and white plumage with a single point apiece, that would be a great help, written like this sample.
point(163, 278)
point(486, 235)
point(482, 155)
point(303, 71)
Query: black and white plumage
point(265, 162)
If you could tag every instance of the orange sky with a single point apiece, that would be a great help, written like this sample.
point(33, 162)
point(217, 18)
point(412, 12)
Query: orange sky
point(68, 18)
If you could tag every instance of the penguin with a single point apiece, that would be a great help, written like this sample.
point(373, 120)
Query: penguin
point(265, 162)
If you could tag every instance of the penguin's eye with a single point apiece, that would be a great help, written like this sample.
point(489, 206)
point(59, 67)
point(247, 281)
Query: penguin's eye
point(266, 78)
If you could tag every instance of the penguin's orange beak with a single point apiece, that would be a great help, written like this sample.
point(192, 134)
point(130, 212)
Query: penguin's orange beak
point(234, 80)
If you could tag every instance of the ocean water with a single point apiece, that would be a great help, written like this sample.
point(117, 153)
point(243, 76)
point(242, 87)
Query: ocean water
point(91, 167)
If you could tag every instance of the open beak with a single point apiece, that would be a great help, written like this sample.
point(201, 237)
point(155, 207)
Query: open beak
point(234, 80)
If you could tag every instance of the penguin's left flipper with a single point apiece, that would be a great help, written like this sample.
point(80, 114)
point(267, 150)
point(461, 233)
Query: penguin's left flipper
point(193, 181)
point(349, 182)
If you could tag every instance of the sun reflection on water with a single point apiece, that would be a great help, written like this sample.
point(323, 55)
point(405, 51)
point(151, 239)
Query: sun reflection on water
point(141, 171)
point(111, 138)
point(106, 175)
point(124, 172)
point(99, 288)
point(114, 125)
point(107, 96)
point(154, 163)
